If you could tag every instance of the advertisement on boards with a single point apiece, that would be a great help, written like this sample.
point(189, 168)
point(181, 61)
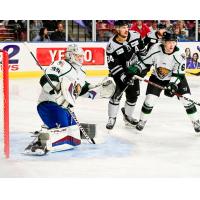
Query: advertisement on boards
point(20, 59)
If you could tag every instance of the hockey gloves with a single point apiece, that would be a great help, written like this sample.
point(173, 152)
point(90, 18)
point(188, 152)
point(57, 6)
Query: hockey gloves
point(127, 78)
point(133, 70)
point(170, 89)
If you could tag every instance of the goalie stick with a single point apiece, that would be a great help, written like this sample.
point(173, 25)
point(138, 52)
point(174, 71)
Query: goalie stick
point(90, 140)
point(163, 88)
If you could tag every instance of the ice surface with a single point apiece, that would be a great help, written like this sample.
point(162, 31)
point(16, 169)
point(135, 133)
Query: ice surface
point(168, 146)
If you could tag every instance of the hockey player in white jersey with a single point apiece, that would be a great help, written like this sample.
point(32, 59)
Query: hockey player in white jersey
point(169, 72)
point(123, 52)
point(68, 77)
point(155, 36)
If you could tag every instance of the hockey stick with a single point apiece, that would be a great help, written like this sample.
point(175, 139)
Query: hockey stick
point(90, 140)
point(163, 88)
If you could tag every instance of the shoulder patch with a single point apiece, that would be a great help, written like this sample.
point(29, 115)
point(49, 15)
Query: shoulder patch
point(134, 35)
point(120, 51)
point(134, 43)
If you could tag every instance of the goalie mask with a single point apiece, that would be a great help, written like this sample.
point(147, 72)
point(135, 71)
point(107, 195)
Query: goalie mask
point(75, 54)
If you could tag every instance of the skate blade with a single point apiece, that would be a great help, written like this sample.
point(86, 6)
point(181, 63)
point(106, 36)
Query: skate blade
point(129, 125)
point(110, 131)
point(38, 152)
point(197, 134)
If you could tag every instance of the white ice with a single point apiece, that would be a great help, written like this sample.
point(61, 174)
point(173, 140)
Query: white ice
point(168, 146)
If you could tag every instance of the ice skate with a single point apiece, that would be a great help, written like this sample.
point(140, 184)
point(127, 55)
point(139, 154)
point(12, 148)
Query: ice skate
point(38, 146)
point(196, 125)
point(35, 148)
point(140, 125)
point(129, 121)
point(111, 123)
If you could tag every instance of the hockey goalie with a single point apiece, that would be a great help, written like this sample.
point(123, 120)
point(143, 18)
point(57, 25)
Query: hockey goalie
point(60, 131)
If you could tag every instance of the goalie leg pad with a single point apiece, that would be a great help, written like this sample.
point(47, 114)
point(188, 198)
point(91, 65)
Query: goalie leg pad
point(63, 138)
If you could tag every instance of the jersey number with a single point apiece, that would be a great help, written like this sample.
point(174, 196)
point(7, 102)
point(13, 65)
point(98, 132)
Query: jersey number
point(110, 59)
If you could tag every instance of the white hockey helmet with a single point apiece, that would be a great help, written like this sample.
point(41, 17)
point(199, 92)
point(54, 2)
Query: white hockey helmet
point(74, 54)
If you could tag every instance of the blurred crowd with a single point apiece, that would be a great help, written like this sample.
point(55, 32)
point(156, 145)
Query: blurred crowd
point(81, 30)
point(184, 29)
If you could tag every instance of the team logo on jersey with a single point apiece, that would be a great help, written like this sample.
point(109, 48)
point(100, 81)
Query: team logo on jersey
point(162, 72)
point(153, 40)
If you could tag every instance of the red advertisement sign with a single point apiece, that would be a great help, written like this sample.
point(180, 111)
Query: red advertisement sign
point(93, 55)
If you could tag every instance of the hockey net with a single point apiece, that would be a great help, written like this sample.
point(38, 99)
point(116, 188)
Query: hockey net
point(4, 103)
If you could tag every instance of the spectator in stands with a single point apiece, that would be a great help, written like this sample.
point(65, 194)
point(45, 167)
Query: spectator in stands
point(140, 27)
point(184, 32)
point(42, 36)
point(190, 24)
point(51, 25)
point(194, 64)
point(58, 34)
point(35, 26)
point(154, 26)
point(199, 34)
point(177, 31)
point(169, 26)
point(104, 30)
point(19, 27)
point(187, 56)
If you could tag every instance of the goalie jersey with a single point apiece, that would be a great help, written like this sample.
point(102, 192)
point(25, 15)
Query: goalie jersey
point(56, 72)
point(165, 65)
point(121, 55)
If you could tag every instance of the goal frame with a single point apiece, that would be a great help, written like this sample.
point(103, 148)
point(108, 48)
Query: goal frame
point(5, 95)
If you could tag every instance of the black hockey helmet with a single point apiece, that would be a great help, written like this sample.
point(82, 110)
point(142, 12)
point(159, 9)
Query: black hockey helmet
point(121, 23)
point(169, 37)
point(161, 26)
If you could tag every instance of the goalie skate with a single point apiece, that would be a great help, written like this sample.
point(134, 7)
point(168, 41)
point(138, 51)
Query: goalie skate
point(39, 145)
point(129, 121)
point(36, 148)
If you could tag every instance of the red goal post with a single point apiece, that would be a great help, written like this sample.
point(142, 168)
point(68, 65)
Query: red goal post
point(5, 101)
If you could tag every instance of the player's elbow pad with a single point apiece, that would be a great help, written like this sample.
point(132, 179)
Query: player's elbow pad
point(44, 82)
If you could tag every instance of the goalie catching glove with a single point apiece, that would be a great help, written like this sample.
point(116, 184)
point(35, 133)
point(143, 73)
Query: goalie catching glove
point(104, 89)
point(107, 88)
